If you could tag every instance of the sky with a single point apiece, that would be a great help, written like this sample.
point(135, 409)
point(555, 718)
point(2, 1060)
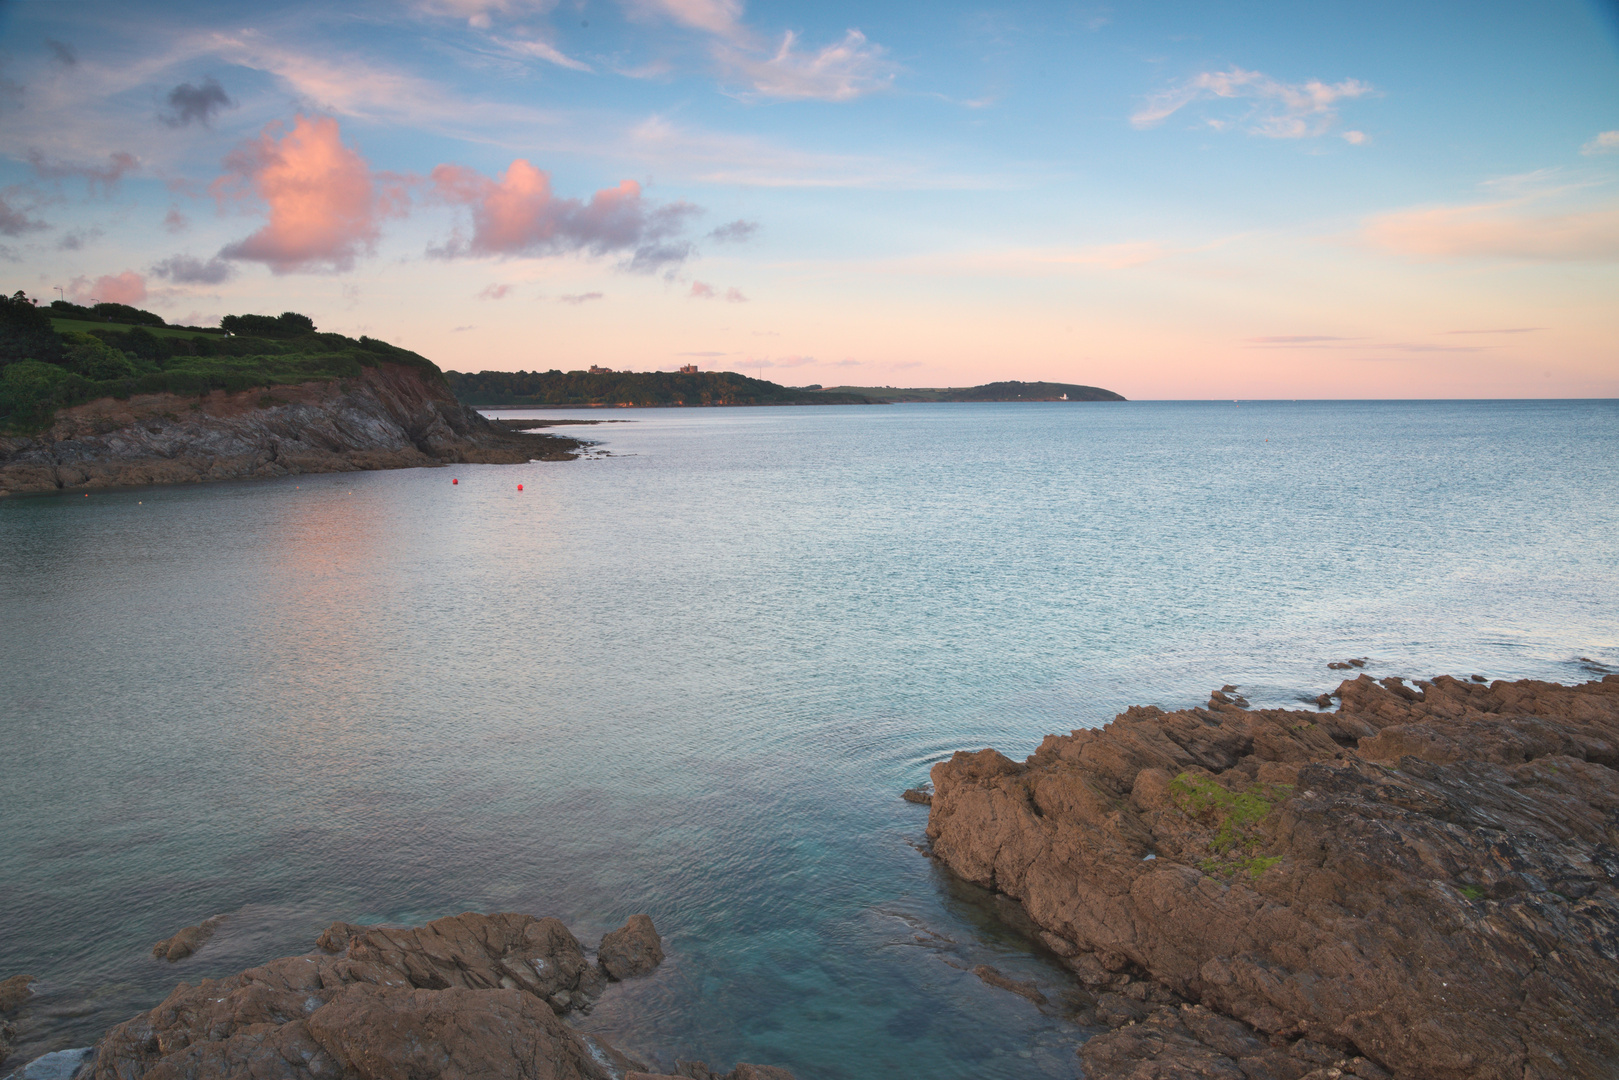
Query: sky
point(1169, 200)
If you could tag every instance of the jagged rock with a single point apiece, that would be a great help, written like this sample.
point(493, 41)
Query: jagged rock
point(466, 996)
point(387, 417)
point(1426, 878)
point(14, 991)
point(187, 941)
point(633, 949)
point(917, 795)
point(697, 1070)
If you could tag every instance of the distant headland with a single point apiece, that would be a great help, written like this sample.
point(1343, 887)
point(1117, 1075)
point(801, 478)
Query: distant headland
point(602, 387)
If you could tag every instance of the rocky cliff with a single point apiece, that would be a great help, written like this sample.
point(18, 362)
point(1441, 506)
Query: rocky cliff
point(1421, 881)
point(468, 997)
point(388, 417)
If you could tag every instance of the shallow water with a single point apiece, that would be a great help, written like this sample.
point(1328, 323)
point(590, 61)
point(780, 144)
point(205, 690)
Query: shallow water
point(691, 678)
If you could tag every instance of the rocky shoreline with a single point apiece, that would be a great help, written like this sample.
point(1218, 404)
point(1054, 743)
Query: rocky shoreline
point(388, 417)
point(1420, 883)
point(467, 997)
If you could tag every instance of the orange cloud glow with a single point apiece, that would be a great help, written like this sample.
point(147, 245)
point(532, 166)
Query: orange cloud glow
point(325, 204)
point(519, 215)
point(126, 288)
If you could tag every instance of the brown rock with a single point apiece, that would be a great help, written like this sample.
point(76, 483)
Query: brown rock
point(187, 941)
point(1424, 879)
point(917, 795)
point(14, 991)
point(462, 998)
point(632, 949)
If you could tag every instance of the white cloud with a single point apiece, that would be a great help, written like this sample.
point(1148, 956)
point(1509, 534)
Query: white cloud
point(1605, 143)
point(841, 72)
point(1276, 110)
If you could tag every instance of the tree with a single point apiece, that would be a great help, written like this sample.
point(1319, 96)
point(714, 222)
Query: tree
point(26, 332)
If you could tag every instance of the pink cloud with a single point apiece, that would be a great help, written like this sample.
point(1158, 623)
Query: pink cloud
point(700, 291)
point(734, 295)
point(325, 204)
point(126, 288)
point(495, 292)
point(1493, 230)
point(579, 298)
point(519, 215)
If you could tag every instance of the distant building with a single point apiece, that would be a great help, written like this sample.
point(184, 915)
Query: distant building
point(688, 369)
point(595, 370)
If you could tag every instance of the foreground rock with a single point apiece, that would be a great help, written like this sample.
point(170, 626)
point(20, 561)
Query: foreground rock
point(186, 941)
point(1421, 883)
point(633, 949)
point(471, 996)
point(388, 417)
point(13, 992)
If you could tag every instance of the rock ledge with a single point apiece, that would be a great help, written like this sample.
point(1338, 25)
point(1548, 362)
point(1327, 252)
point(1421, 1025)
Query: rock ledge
point(1422, 882)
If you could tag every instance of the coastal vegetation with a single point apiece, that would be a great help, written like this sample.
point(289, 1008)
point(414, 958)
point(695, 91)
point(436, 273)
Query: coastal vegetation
point(530, 389)
point(66, 354)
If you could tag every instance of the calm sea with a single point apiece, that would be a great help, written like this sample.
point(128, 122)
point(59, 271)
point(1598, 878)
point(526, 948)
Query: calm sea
point(692, 677)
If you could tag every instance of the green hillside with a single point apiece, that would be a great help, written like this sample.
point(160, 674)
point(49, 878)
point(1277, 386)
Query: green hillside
point(62, 355)
point(537, 389)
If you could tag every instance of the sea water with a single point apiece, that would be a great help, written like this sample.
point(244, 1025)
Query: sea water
point(691, 674)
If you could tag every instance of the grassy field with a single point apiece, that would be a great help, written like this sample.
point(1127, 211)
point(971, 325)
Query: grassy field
point(86, 326)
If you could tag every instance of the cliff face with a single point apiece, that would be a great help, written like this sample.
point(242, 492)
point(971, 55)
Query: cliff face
point(1422, 881)
point(389, 417)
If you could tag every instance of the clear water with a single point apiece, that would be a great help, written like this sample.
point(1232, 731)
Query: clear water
point(691, 678)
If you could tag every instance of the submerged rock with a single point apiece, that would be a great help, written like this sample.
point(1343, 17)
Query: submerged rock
point(462, 998)
point(633, 949)
point(917, 795)
point(1424, 882)
point(187, 941)
point(14, 991)
point(1001, 981)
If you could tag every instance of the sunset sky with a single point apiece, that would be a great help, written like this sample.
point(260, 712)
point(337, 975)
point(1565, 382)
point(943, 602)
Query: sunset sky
point(1170, 200)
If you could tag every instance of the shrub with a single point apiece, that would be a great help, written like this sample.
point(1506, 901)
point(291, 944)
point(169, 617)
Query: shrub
point(94, 359)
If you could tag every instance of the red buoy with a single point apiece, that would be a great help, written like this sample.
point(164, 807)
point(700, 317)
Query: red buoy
point(519, 487)
point(455, 481)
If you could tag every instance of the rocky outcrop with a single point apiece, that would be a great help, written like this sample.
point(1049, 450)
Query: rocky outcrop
point(1424, 881)
point(186, 941)
point(388, 417)
point(462, 998)
point(13, 992)
point(633, 949)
